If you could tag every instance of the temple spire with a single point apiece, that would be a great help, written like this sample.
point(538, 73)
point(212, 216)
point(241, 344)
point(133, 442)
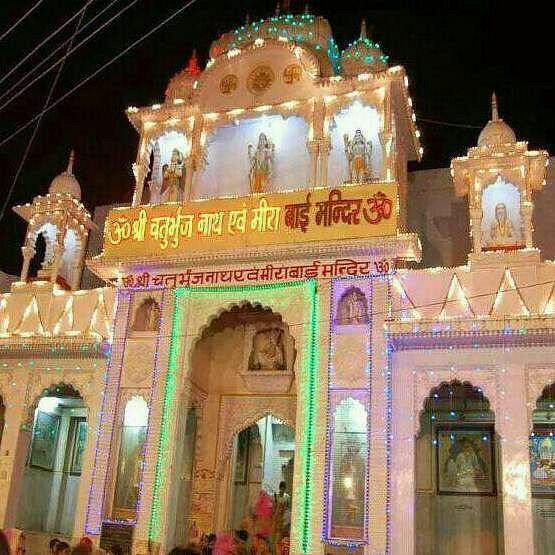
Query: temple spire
point(494, 110)
point(363, 34)
point(192, 66)
point(70, 162)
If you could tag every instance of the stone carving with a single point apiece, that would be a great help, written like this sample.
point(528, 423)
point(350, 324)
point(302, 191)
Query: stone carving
point(359, 156)
point(147, 316)
point(260, 79)
point(267, 353)
point(352, 308)
point(228, 84)
point(292, 74)
point(261, 160)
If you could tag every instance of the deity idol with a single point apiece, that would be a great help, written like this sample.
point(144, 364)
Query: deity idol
point(267, 352)
point(261, 161)
point(172, 178)
point(359, 156)
point(502, 230)
point(465, 469)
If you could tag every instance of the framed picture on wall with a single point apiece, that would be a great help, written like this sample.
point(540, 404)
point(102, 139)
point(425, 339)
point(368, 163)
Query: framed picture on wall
point(542, 462)
point(79, 441)
point(44, 441)
point(465, 461)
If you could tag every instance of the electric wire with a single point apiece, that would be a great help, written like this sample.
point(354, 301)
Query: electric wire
point(52, 66)
point(20, 20)
point(96, 72)
point(41, 63)
point(38, 121)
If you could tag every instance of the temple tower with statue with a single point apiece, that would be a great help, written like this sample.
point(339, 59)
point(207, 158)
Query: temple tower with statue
point(265, 362)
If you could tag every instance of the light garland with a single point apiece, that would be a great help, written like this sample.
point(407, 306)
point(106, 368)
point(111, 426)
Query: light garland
point(335, 396)
point(307, 398)
point(104, 432)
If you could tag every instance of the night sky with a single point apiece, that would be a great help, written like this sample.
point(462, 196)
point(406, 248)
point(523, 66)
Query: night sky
point(455, 53)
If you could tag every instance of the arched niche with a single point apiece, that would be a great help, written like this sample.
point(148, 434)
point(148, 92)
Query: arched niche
point(164, 168)
point(129, 467)
point(345, 518)
point(457, 472)
point(501, 226)
point(352, 308)
point(359, 122)
point(267, 153)
point(147, 316)
point(542, 471)
point(54, 438)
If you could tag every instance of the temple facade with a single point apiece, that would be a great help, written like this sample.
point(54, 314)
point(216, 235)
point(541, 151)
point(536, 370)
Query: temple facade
point(263, 354)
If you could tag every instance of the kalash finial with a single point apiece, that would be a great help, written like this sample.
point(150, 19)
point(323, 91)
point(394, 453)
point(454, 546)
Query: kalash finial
point(363, 34)
point(70, 162)
point(307, 8)
point(278, 8)
point(192, 66)
point(248, 19)
point(494, 109)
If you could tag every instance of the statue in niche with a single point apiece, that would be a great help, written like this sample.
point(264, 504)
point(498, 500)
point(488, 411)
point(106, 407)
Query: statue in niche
point(359, 156)
point(173, 178)
point(502, 229)
point(267, 353)
point(147, 316)
point(352, 308)
point(261, 161)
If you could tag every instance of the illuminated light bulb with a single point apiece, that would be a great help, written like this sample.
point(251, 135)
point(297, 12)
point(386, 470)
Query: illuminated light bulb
point(234, 52)
point(263, 108)
point(178, 101)
point(132, 109)
point(149, 125)
point(259, 42)
point(235, 112)
point(329, 98)
point(156, 106)
point(211, 115)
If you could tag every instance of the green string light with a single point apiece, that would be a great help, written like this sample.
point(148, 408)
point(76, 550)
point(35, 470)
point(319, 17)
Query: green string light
point(307, 393)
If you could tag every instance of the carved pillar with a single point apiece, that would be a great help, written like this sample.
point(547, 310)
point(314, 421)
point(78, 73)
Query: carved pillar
point(325, 149)
point(313, 151)
point(526, 210)
point(140, 171)
point(475, 227)
point(28, 253)
point(196, 156)
point(386, 141)
point(58, 252)
point(518, 535)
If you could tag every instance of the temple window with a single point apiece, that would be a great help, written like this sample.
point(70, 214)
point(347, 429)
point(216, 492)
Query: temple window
point(130, 460)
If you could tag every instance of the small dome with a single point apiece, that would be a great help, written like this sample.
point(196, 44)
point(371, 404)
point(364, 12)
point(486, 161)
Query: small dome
point(496, 131)
point(363, 56)
point(66, 182)
point(182, 83)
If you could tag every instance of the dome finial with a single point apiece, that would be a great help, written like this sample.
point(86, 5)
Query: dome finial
point(278, 8)
point(494, 109)
point(363, 34)
point(70, 162)
point(307, 8)
point(192, 66)
point(248, 19)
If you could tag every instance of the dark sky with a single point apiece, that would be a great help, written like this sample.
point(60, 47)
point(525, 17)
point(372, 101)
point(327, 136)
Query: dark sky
point(455, 52)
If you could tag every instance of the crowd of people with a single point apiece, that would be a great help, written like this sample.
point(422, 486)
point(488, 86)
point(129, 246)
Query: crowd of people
point(264, 531)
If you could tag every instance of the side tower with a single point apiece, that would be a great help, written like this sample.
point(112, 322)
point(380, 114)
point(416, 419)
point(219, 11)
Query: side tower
point(499, 176)
point(64, 222)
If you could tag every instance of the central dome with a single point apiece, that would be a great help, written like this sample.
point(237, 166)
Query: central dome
point(496, 132)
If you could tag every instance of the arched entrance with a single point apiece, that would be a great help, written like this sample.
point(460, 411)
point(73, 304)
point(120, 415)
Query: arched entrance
point(542, 471)
point(242, 388)
point(56, 432)
point(457, 470)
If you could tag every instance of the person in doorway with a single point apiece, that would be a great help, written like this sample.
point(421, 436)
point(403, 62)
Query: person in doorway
point(4, 544)
point(282, 513)
point(52, 545)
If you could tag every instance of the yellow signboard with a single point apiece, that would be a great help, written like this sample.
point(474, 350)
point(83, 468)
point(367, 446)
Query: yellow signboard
point(347, 212)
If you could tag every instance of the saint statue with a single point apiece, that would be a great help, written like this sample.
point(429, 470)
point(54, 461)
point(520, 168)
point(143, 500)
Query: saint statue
point(173, 178)
point(359, 156)
point(502, 230)
point(147, 316)
point(261, 161)
point(267, 352)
